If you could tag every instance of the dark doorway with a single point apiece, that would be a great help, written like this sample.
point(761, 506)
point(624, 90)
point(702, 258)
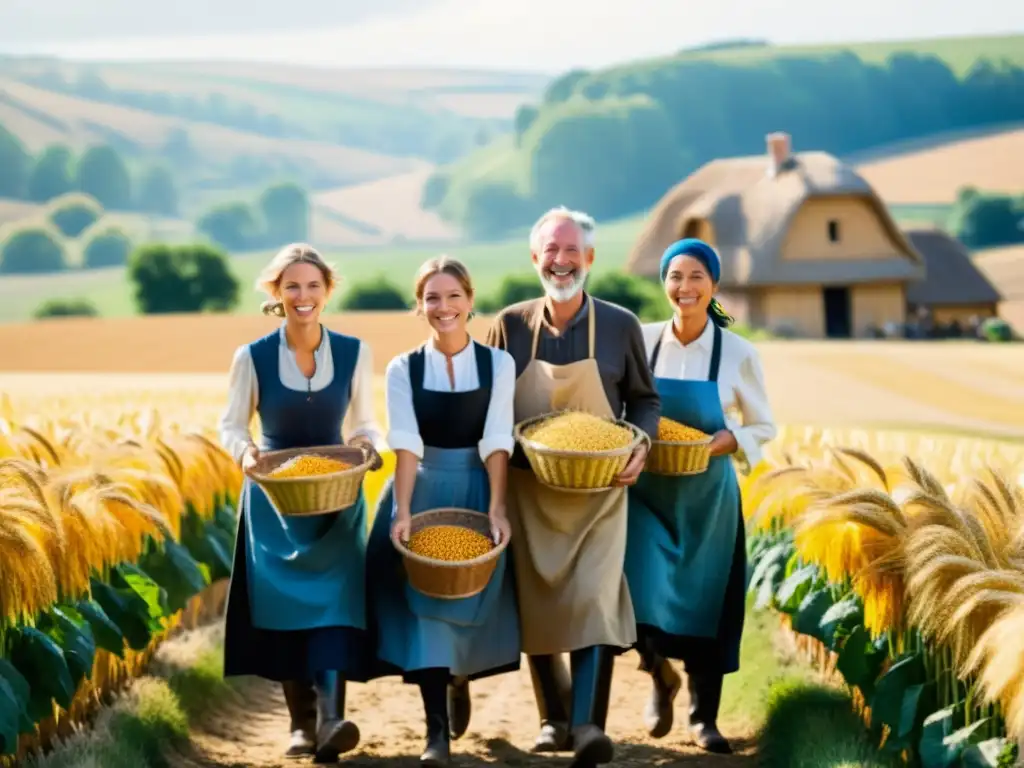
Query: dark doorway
point(837, 312)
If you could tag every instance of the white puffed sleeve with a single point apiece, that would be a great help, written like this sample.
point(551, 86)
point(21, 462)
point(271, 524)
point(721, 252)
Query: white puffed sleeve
point(500, 412)
point(403, 429)
point(361, 419)
point(758, 425)
point(233, 428)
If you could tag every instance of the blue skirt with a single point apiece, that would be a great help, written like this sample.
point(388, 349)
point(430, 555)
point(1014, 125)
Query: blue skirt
point(287, 654)
point(473, 638)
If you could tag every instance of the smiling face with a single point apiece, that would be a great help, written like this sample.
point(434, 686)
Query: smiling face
point(303, 292)
point(689, 287)
point(446, 304)
point(561, 260)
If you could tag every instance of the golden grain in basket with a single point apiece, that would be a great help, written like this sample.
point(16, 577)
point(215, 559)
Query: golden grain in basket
point(577, 451)
point(679, 450)
point(309, 466)
point(451, 543)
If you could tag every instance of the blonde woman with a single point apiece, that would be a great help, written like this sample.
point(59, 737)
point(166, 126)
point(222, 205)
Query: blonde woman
point(449, 405)
point(296, 607)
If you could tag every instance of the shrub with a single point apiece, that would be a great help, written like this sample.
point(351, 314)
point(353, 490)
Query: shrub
point(378, 295)
point(183, 278)
point(32, 250)
point(109, 247)
point(65, 308)
point(73, 213)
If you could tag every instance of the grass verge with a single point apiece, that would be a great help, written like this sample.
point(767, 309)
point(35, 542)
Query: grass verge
point(154, 713)
point(809, 725)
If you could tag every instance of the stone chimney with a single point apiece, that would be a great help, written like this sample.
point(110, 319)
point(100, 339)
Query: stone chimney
point(778, 152)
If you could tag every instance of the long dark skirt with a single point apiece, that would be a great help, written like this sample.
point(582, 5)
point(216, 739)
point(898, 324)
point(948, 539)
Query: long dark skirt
point(719, 654)
point(287, 655)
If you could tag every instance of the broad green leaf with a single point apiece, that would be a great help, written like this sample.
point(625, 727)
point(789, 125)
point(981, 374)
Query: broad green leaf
point(154, 597)
point(105, 632)
point(986, 754)
point(176, 572)
point(10, 719)
point(860, 661)
point(22, 694)
point(74, 639)
point(887, 701)
point(841, 618)
point(42, 663)
point(127, 610)
point(775, 556)
point(766, 590)
point(807, 619)
point(795, 587)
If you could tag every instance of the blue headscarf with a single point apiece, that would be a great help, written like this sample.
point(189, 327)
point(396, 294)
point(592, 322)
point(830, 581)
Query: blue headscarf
point(706, 255)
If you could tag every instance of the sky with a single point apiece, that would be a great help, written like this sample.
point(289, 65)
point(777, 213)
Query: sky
point(527, 35)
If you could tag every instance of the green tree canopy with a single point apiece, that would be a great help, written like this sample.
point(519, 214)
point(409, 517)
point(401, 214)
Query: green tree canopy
point(183, 278)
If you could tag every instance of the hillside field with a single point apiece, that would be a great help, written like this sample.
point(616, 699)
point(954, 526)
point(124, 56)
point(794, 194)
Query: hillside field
point(856, 383)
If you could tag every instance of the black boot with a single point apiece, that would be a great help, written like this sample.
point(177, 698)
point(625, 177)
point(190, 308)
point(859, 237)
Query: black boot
point(334, 734)
point(591, 687)
point(705, 698)
point(434, 690)
point(552, 689)
point(666, 683)
point(460, 706)
point(301, 701)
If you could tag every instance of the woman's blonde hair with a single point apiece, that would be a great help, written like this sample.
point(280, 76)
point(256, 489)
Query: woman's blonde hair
point(269, 280)
point(442, 265)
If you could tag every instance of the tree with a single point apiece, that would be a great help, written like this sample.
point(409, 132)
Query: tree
point(15, 162)
point(184, 278)
point(158, 193)
point(639, 296)
point(377, 295)
point(74, 212)
point(32, 250)
point(516, 288)
point(103, 174)
point(108, 247)
point(231, 225)
point(51, 175)
point(65, 308)
point(285, 209)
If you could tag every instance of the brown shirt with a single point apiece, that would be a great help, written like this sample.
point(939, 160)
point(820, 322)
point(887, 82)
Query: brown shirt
point(618, 348)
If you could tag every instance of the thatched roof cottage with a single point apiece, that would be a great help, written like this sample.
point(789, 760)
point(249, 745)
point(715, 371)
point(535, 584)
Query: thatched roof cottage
point(806, 243)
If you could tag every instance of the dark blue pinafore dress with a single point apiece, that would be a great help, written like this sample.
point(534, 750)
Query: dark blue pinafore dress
point(473, 637)
point(686, 544)
point(296, 604)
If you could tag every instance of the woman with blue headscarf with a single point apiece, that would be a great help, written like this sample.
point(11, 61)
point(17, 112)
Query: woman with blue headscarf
point(686, 548)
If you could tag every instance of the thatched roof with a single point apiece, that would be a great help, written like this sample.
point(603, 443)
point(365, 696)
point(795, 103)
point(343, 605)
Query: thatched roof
point(952, 278)
point(751, 211)
point(1004, 267)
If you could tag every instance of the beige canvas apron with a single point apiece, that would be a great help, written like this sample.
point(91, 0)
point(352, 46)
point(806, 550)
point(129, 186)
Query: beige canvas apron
point(568, 548)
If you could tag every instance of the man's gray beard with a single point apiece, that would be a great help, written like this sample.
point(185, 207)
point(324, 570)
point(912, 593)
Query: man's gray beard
point(568, 293)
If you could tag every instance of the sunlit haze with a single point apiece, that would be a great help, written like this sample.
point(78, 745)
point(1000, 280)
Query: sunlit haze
point(539, 35)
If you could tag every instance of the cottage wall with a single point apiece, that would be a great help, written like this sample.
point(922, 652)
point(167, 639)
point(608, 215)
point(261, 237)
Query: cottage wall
point(851, 220)
point(875, 305)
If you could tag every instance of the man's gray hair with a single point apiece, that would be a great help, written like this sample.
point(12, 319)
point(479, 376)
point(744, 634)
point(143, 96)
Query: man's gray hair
point(586, 224)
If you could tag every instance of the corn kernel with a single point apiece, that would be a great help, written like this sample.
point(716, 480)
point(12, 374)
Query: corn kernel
point(451, 543)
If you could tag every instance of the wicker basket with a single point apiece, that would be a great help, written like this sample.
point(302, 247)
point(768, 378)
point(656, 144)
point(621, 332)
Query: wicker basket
point(576, 470)
point(441, 578)
point(317, 494)
point(679, 458)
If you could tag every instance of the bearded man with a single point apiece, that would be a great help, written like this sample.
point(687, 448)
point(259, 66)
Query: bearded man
point(573, 351)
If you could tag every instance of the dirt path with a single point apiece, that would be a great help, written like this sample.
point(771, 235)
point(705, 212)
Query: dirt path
point(250, 729)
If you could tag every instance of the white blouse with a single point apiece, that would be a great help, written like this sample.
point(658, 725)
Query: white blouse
point(403, 430)
point(740, 380)
point(243, 393)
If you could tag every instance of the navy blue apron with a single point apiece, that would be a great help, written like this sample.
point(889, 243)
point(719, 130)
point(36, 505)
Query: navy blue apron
point(296, 604)
point(473, 637)
point(685, 553)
